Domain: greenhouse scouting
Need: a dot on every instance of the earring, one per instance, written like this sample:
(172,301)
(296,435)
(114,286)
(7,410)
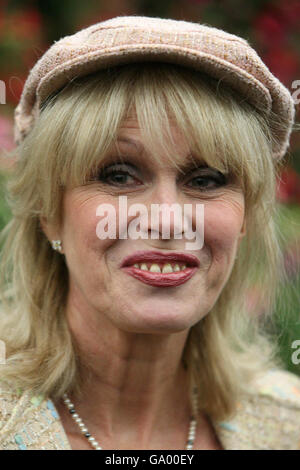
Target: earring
(56,245)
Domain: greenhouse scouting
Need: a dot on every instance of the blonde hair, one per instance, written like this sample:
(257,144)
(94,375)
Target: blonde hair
(76,127)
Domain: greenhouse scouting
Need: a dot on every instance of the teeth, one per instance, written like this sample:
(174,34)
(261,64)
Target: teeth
(155,268)
(167,268)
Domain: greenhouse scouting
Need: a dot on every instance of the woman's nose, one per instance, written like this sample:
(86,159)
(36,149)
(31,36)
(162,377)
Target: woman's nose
(165,210)
(165,191)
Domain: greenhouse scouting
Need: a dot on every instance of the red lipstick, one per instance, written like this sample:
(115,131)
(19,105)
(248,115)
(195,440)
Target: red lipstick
(160,279)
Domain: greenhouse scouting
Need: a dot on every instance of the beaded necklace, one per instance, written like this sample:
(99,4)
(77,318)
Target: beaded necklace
(95,444)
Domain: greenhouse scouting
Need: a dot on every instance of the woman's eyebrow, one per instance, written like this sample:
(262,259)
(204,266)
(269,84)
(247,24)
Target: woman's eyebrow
(188,162)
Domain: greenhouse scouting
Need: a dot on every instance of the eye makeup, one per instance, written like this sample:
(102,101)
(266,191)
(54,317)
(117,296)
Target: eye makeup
(125,173)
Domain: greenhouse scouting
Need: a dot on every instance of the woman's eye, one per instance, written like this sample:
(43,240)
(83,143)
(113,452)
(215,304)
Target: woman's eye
(117,175)
(208,181)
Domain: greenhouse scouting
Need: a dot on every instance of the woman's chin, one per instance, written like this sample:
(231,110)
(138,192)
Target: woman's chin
(158,320)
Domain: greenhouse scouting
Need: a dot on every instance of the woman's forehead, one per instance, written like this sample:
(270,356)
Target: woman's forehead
(130,133)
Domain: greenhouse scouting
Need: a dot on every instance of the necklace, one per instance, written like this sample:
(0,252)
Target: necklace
(95,444)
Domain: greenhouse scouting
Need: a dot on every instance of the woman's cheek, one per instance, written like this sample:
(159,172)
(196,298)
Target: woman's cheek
(222,225)
(81,219)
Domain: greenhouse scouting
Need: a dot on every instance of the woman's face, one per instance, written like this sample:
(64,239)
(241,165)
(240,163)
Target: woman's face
(125,297)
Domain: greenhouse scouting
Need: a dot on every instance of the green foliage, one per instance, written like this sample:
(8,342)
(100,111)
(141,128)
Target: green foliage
(287,311)
(287,322)
(5,213)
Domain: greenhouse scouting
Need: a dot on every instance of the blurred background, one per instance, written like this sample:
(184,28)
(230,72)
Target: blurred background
(28,28)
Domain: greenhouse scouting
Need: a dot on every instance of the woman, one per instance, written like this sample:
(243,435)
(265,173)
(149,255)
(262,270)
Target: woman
(138,342)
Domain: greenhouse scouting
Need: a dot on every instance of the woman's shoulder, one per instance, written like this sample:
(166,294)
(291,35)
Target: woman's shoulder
(28,421)
(281,385)
(268,417)
(9,398)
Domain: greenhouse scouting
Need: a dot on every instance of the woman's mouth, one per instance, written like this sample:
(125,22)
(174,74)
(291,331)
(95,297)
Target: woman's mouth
(161,269)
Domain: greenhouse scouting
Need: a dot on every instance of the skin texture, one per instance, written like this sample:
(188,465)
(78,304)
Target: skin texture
(130,336)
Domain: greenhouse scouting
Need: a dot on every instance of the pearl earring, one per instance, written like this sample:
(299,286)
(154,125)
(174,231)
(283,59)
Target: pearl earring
(56,245)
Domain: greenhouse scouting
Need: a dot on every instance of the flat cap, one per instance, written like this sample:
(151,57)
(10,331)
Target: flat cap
(128,39)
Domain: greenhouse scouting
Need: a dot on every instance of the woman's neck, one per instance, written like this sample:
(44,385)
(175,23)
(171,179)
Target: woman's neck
(132,384)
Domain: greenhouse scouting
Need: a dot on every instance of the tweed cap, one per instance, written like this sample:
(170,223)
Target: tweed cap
(128,39)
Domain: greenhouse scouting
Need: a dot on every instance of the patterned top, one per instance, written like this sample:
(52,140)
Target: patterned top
(266,420)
